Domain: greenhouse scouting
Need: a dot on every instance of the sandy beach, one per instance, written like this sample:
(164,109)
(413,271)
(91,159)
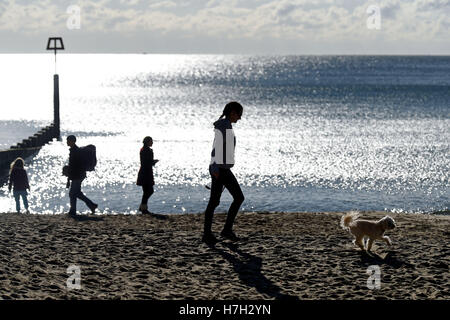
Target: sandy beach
(280,256)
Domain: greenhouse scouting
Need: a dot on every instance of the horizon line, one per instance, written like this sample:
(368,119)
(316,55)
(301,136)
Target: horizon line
(243,54)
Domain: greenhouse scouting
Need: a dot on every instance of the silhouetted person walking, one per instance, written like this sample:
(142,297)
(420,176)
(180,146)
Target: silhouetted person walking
(18,180)
(76,173)
(145,174)
(222,160)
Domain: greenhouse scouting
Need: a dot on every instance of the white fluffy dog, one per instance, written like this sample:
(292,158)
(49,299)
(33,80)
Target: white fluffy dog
(374,230)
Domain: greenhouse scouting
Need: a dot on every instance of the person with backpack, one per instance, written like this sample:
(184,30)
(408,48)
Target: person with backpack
(18,180)
(76,173)
(222,160)
(145,174)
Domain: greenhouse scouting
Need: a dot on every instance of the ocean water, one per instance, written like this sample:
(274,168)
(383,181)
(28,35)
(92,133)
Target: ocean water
(318,133)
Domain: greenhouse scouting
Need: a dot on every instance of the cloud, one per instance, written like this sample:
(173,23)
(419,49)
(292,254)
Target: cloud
(162,5)
(434,5)
(390,10)
(129,2)
(324,21)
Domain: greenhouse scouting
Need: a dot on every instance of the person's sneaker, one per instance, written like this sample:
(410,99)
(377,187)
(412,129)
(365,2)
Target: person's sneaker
(95,206)
(144,209)
(229,235)
(72,213)
(209,238)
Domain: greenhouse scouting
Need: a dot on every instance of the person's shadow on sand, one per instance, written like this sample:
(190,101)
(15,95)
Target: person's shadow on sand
(158,216)
(86,218)
(249,269)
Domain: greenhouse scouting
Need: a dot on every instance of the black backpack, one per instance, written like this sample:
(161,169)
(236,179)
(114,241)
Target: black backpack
(88,157)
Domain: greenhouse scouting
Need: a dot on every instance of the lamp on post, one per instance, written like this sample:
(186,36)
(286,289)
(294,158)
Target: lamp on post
(56,44)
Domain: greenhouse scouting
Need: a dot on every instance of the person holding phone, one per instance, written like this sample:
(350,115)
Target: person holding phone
(145,174)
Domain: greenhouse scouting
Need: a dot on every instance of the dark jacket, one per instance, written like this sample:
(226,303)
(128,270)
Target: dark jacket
(19,179)
(76,170)
(145,175)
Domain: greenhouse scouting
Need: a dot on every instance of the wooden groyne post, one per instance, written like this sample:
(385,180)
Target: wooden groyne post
(56,44)
(56,123)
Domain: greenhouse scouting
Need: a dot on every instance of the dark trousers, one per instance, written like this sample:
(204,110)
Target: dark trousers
(75,192)
(228,180)
(147,192)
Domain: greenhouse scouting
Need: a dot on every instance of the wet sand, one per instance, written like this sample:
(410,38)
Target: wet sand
(280,256)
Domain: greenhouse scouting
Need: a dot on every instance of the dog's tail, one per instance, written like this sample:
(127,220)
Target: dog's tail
(348,218)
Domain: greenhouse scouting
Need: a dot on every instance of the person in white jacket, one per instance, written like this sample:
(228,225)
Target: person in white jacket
(222,160)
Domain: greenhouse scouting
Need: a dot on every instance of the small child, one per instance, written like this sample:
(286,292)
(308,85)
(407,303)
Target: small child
(18,177)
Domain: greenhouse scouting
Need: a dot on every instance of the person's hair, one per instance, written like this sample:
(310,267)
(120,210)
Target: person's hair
(18,163)
(146,140)
(71,138)
(231,106)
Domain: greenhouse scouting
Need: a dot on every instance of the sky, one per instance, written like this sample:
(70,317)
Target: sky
(228,27)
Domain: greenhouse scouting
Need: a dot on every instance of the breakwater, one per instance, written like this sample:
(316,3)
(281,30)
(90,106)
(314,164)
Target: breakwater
(31,146)
(28,147)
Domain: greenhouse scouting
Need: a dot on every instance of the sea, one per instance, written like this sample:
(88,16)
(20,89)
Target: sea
(318,133)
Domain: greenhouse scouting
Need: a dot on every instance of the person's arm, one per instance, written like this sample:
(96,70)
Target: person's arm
(142,157)
(11,179)
(147,158)
(218,157)
(26,181)
(150,156)
(153,161)
(71,164)
(214,169)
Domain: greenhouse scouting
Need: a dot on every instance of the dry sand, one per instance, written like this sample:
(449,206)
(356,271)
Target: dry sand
(281,256)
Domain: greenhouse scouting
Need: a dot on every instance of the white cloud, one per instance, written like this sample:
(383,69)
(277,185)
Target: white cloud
(317,20)
(162,5)
(130,2)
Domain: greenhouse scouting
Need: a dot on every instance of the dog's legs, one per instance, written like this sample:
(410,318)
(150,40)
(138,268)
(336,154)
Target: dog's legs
(359,241)
(369,244)
(387,240)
